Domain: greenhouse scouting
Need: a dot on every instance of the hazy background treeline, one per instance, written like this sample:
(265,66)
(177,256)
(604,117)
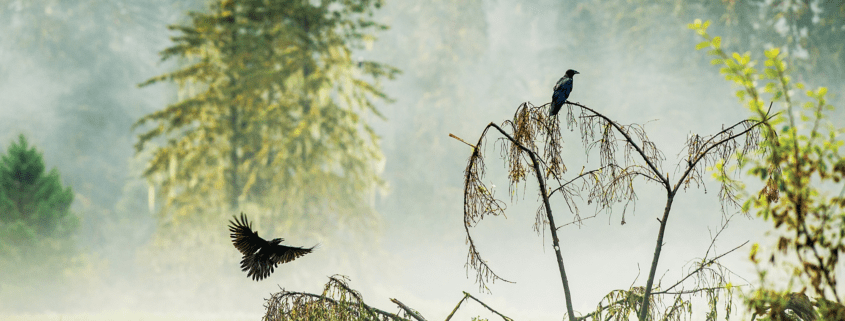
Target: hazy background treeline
(69,72)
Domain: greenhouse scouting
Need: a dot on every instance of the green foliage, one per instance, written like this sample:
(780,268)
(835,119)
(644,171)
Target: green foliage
(272,108)
(36,226)
(772,305)
(49,45)
(800,167)
(34,207)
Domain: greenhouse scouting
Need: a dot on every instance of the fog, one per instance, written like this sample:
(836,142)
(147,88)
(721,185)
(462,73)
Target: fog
(68,81)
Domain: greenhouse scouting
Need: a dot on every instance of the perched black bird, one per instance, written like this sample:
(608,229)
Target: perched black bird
(562,90)
(260,256)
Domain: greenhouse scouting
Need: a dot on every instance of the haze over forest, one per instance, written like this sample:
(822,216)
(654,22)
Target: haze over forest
(387,209)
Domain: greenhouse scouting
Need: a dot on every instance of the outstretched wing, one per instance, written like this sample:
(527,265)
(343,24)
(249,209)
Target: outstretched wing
(260,256)
(283,254)
(260,265)
(245,240)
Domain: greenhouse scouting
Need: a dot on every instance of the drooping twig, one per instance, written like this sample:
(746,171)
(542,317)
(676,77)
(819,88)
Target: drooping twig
(610,183)
(631,142)
(473,210)
(702,154)
(337,300)
(478,202)
(318,298)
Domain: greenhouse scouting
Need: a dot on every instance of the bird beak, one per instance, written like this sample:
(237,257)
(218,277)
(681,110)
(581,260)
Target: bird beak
(577,72)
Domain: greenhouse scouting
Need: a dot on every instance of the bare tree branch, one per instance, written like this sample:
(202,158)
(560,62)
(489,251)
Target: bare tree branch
(648,160)
(699,155)
(413,313)
(701,267)
(337,301)
(612,182)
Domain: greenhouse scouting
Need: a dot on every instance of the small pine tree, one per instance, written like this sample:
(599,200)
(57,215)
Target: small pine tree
(39,257)
(35,217)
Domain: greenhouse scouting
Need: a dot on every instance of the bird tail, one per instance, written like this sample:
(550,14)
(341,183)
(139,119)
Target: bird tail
(255,267)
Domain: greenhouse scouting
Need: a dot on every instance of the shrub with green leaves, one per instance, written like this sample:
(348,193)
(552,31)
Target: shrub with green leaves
(801,170)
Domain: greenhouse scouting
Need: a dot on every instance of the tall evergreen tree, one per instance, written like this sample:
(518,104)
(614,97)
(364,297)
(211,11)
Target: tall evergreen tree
(272,107)
(34,207)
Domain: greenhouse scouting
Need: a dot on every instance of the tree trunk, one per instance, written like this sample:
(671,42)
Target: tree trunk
(552,227)
(643,316)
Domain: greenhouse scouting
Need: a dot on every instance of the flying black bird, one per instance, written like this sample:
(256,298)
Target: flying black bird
(562,90)
(260,256)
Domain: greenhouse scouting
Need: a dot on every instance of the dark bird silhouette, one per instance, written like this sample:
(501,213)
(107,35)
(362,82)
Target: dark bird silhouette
(562,90)
(260,256)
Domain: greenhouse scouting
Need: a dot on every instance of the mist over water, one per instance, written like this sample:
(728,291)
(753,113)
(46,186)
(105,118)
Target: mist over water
(465,64)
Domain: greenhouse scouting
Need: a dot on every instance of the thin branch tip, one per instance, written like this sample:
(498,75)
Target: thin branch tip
(461,140)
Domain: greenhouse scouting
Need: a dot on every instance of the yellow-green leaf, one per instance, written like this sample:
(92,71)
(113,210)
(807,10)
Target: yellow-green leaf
(754,248)
(772,53)
(771,73)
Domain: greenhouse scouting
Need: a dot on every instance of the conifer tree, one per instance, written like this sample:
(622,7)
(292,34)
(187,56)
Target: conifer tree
(34,206)
(272,108)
